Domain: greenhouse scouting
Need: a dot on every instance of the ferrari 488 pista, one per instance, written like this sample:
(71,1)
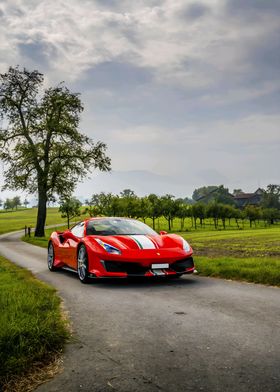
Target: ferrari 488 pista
(118,247)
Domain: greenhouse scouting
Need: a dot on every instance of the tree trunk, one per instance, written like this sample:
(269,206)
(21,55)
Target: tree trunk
(182,223)
(153,222)
(68,221)
(42,213)
(216,223)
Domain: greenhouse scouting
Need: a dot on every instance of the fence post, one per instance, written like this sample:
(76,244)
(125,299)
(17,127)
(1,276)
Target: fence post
(29,231)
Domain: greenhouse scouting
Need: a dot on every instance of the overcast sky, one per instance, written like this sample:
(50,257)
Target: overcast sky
(184,93)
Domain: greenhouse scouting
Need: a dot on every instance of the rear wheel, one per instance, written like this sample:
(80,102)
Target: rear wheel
(51,257)
(82,264)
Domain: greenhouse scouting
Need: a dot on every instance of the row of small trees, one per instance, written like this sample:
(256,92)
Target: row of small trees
(152,206)
(13,203)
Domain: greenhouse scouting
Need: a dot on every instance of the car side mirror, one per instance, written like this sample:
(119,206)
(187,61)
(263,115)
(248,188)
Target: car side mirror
(68,235)
(162,232)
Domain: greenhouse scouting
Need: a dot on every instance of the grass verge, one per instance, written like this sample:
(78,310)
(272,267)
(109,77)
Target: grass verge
(250,269)
(33,331)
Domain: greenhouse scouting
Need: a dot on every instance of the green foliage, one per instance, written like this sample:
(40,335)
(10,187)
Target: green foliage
(203,191)
(252,213)
(10,204)
(153,207)
(70,207)
(271,197)
(32,329)
(271,214)
(211,194)
(198,211)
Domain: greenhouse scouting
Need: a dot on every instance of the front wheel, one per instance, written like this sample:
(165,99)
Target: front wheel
(51,257)
(82,264)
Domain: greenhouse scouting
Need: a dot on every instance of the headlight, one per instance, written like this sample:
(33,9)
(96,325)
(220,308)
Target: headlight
(186,245)
(109,248)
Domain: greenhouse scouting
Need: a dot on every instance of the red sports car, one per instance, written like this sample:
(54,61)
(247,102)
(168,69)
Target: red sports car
(118,247)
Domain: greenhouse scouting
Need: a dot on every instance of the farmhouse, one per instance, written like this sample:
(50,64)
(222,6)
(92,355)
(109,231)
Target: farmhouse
(244,199)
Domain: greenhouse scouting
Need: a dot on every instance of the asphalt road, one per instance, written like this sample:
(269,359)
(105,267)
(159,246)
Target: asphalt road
(193,334)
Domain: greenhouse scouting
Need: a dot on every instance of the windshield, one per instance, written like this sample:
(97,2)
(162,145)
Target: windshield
(117,226)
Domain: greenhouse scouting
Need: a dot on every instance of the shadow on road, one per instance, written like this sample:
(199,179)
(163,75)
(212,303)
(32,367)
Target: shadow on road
(138,282)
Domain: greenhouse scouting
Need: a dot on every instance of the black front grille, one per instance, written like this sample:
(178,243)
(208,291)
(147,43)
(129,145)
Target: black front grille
(129,268)
(182,265)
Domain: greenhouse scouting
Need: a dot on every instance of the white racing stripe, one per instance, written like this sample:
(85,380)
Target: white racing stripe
(143,242)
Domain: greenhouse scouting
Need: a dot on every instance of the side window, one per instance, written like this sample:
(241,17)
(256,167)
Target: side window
(78,230)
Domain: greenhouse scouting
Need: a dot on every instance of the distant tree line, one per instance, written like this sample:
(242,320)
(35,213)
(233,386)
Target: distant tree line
(13,203)
(128,204)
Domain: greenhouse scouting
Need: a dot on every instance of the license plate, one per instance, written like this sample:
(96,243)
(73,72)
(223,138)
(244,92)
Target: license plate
(160,266)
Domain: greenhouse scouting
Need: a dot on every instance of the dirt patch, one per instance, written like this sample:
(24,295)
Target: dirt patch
(37,375)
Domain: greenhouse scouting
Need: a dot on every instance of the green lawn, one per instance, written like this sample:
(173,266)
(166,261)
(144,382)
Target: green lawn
(16,220)
(257,243)
(251,269)
(32,329)
(250,255)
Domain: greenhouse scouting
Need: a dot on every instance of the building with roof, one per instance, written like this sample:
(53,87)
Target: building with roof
(244,199)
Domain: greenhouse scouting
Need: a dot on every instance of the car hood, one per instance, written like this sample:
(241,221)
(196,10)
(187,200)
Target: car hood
(143,242)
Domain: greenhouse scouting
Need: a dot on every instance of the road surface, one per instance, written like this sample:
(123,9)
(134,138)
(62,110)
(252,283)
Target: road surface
(192,334)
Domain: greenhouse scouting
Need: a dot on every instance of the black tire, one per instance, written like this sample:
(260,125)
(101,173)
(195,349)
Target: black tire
(82,264)
(51,257)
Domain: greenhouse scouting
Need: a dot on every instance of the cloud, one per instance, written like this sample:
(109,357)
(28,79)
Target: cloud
(196,10)
(184,88)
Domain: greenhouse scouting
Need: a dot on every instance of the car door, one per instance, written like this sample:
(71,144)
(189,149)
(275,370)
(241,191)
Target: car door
(72,243)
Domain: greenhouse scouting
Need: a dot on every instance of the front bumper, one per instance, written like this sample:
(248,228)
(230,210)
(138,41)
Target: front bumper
(124,269)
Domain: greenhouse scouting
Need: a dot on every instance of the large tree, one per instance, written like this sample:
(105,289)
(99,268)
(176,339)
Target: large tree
(40,143)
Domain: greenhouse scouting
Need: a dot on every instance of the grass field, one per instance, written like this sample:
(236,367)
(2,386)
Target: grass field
(16,220)
(250,255)
(32,330)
